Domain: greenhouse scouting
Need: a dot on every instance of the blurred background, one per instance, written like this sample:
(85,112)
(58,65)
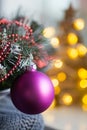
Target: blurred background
(65,27)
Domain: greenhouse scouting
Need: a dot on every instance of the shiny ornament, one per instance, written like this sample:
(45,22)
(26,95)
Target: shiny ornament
(33,92)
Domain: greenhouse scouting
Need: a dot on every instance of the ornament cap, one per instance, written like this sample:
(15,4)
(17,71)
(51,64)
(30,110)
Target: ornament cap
(32,66)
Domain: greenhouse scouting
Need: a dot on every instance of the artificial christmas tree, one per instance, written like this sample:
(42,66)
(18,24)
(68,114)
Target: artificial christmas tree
(69,70)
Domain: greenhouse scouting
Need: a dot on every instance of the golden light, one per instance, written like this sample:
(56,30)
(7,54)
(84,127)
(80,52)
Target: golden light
(55,42)
(79,24)
(53,104)
(84,107)
(61,76)
(57,90)
(67,99)
(82,73)
(84,99)
(58,63)
(55,82)
(83,83)
(81,50)
(72,38)
(48,32)
(72,53)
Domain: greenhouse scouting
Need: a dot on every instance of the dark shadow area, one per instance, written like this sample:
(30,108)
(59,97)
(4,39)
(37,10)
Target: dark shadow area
(49,128)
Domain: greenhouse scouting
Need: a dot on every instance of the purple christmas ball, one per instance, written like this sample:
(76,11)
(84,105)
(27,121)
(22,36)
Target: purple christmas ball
(33,92)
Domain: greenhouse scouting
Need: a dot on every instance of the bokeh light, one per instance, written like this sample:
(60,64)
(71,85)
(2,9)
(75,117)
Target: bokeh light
(84,107)
(82,73)
(72,53)
(79,24)
(67,99)
(84,99)
(61,76)
(82,50)
(49,32)
(53,104)
(72,39)
(55,82)
(55,42)
(83,83)
(58,63)
(57,90)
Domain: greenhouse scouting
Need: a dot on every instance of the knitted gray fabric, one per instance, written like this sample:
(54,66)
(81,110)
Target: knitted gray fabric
(12,119)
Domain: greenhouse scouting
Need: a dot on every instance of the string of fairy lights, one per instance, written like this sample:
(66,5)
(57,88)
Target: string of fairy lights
(57,73)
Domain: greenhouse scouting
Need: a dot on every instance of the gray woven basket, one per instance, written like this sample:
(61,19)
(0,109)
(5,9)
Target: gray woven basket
(13,119)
